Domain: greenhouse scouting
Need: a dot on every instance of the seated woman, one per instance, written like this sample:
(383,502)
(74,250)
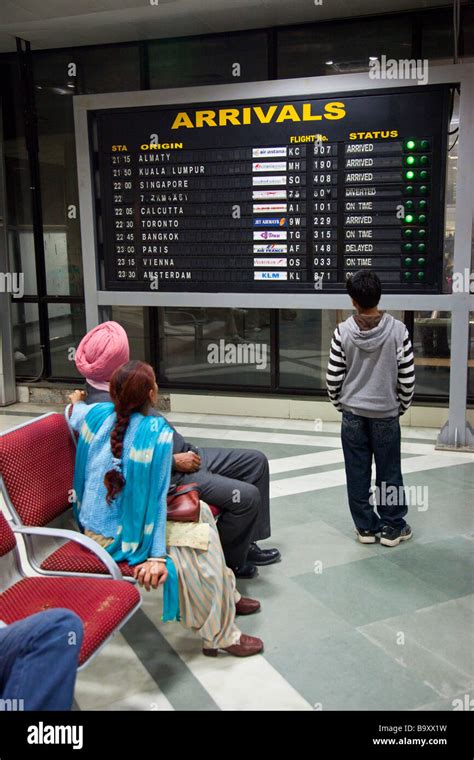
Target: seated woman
(121,481)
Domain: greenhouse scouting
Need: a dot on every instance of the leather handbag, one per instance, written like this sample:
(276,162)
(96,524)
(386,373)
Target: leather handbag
(183,503)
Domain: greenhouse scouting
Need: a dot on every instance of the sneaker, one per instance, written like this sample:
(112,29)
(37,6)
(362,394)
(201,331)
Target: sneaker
(366,536)
(393,536)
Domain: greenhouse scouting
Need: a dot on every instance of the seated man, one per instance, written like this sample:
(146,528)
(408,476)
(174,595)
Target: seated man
(234,480)
(38,660)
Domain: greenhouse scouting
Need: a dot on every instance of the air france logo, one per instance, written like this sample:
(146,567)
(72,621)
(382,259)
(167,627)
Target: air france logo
(269,235)
(272,221)
(271,248)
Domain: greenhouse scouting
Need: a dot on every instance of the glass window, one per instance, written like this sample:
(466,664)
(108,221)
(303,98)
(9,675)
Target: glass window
(341,47)
(26,340)
(109,68)
(305,335)
(437,36)
(467,26)
(17,177)
(214,346)
(305,338)
(61,225)
(58,76)
(220,59)
(136,323)
(431,344)
(67,326)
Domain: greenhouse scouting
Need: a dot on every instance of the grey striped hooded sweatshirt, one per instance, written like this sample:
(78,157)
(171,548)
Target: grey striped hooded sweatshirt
(371,371)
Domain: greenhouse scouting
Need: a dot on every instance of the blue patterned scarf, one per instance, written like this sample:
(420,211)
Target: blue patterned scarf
(147,484)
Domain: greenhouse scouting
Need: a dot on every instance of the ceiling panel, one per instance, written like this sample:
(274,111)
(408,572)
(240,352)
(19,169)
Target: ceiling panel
(63,23)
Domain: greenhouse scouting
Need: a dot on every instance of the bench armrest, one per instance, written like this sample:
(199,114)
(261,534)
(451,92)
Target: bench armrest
(79,538)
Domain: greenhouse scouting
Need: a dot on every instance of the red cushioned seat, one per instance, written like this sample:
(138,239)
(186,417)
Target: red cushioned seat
(74,558)
(102,604)
(37,466)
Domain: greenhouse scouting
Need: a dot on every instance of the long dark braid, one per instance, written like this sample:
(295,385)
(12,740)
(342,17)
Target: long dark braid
(130,388)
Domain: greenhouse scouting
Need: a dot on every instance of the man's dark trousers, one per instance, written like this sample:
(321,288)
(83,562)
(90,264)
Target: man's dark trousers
(236,481)
(364,439)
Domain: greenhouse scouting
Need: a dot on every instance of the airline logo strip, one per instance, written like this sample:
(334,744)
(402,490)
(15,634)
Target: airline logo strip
(265,214)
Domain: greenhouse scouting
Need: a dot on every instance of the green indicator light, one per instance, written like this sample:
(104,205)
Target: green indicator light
(409,205)
(422,218)
(407,275)
(410,174)
(421,247)
(410,145)
(422,233)
(410,160)
(407,247)
(423,189)
(421,262)
(408,233)
(424,174)
(421,275)
(409,190)
(409,219)
(424,160)
(408,262)
(425,144)
(422,204)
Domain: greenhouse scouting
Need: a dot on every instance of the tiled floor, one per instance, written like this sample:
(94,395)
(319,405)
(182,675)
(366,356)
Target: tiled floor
(345,626)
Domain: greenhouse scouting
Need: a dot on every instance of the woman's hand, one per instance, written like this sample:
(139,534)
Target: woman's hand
(77,396)
(151,574)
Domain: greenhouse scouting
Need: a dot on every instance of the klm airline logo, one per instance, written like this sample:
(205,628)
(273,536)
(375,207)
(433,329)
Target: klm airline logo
(272,221)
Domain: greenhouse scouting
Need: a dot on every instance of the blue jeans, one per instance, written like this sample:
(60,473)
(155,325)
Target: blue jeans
(364,439)
(38,661)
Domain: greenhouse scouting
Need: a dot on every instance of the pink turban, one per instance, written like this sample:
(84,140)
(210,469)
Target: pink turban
(101,352)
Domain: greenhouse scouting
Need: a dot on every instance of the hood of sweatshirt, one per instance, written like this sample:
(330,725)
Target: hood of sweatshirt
(369,333)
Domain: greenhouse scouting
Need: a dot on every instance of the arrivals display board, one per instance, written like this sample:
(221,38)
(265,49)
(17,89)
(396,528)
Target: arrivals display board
(285,196)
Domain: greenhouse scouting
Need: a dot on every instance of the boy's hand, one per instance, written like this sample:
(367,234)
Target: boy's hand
(77,396)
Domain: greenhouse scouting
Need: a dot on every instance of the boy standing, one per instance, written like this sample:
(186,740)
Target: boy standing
(370,379)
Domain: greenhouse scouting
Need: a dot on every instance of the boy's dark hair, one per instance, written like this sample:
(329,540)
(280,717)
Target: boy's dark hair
(365,288)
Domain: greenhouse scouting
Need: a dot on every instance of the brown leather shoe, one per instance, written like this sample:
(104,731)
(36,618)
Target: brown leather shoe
(246,606)
(247,646)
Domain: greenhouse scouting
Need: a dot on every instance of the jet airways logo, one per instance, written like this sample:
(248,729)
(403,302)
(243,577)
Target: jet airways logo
(272,221)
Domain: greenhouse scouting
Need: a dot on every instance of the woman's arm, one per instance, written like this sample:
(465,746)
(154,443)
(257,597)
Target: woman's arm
(79,409)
